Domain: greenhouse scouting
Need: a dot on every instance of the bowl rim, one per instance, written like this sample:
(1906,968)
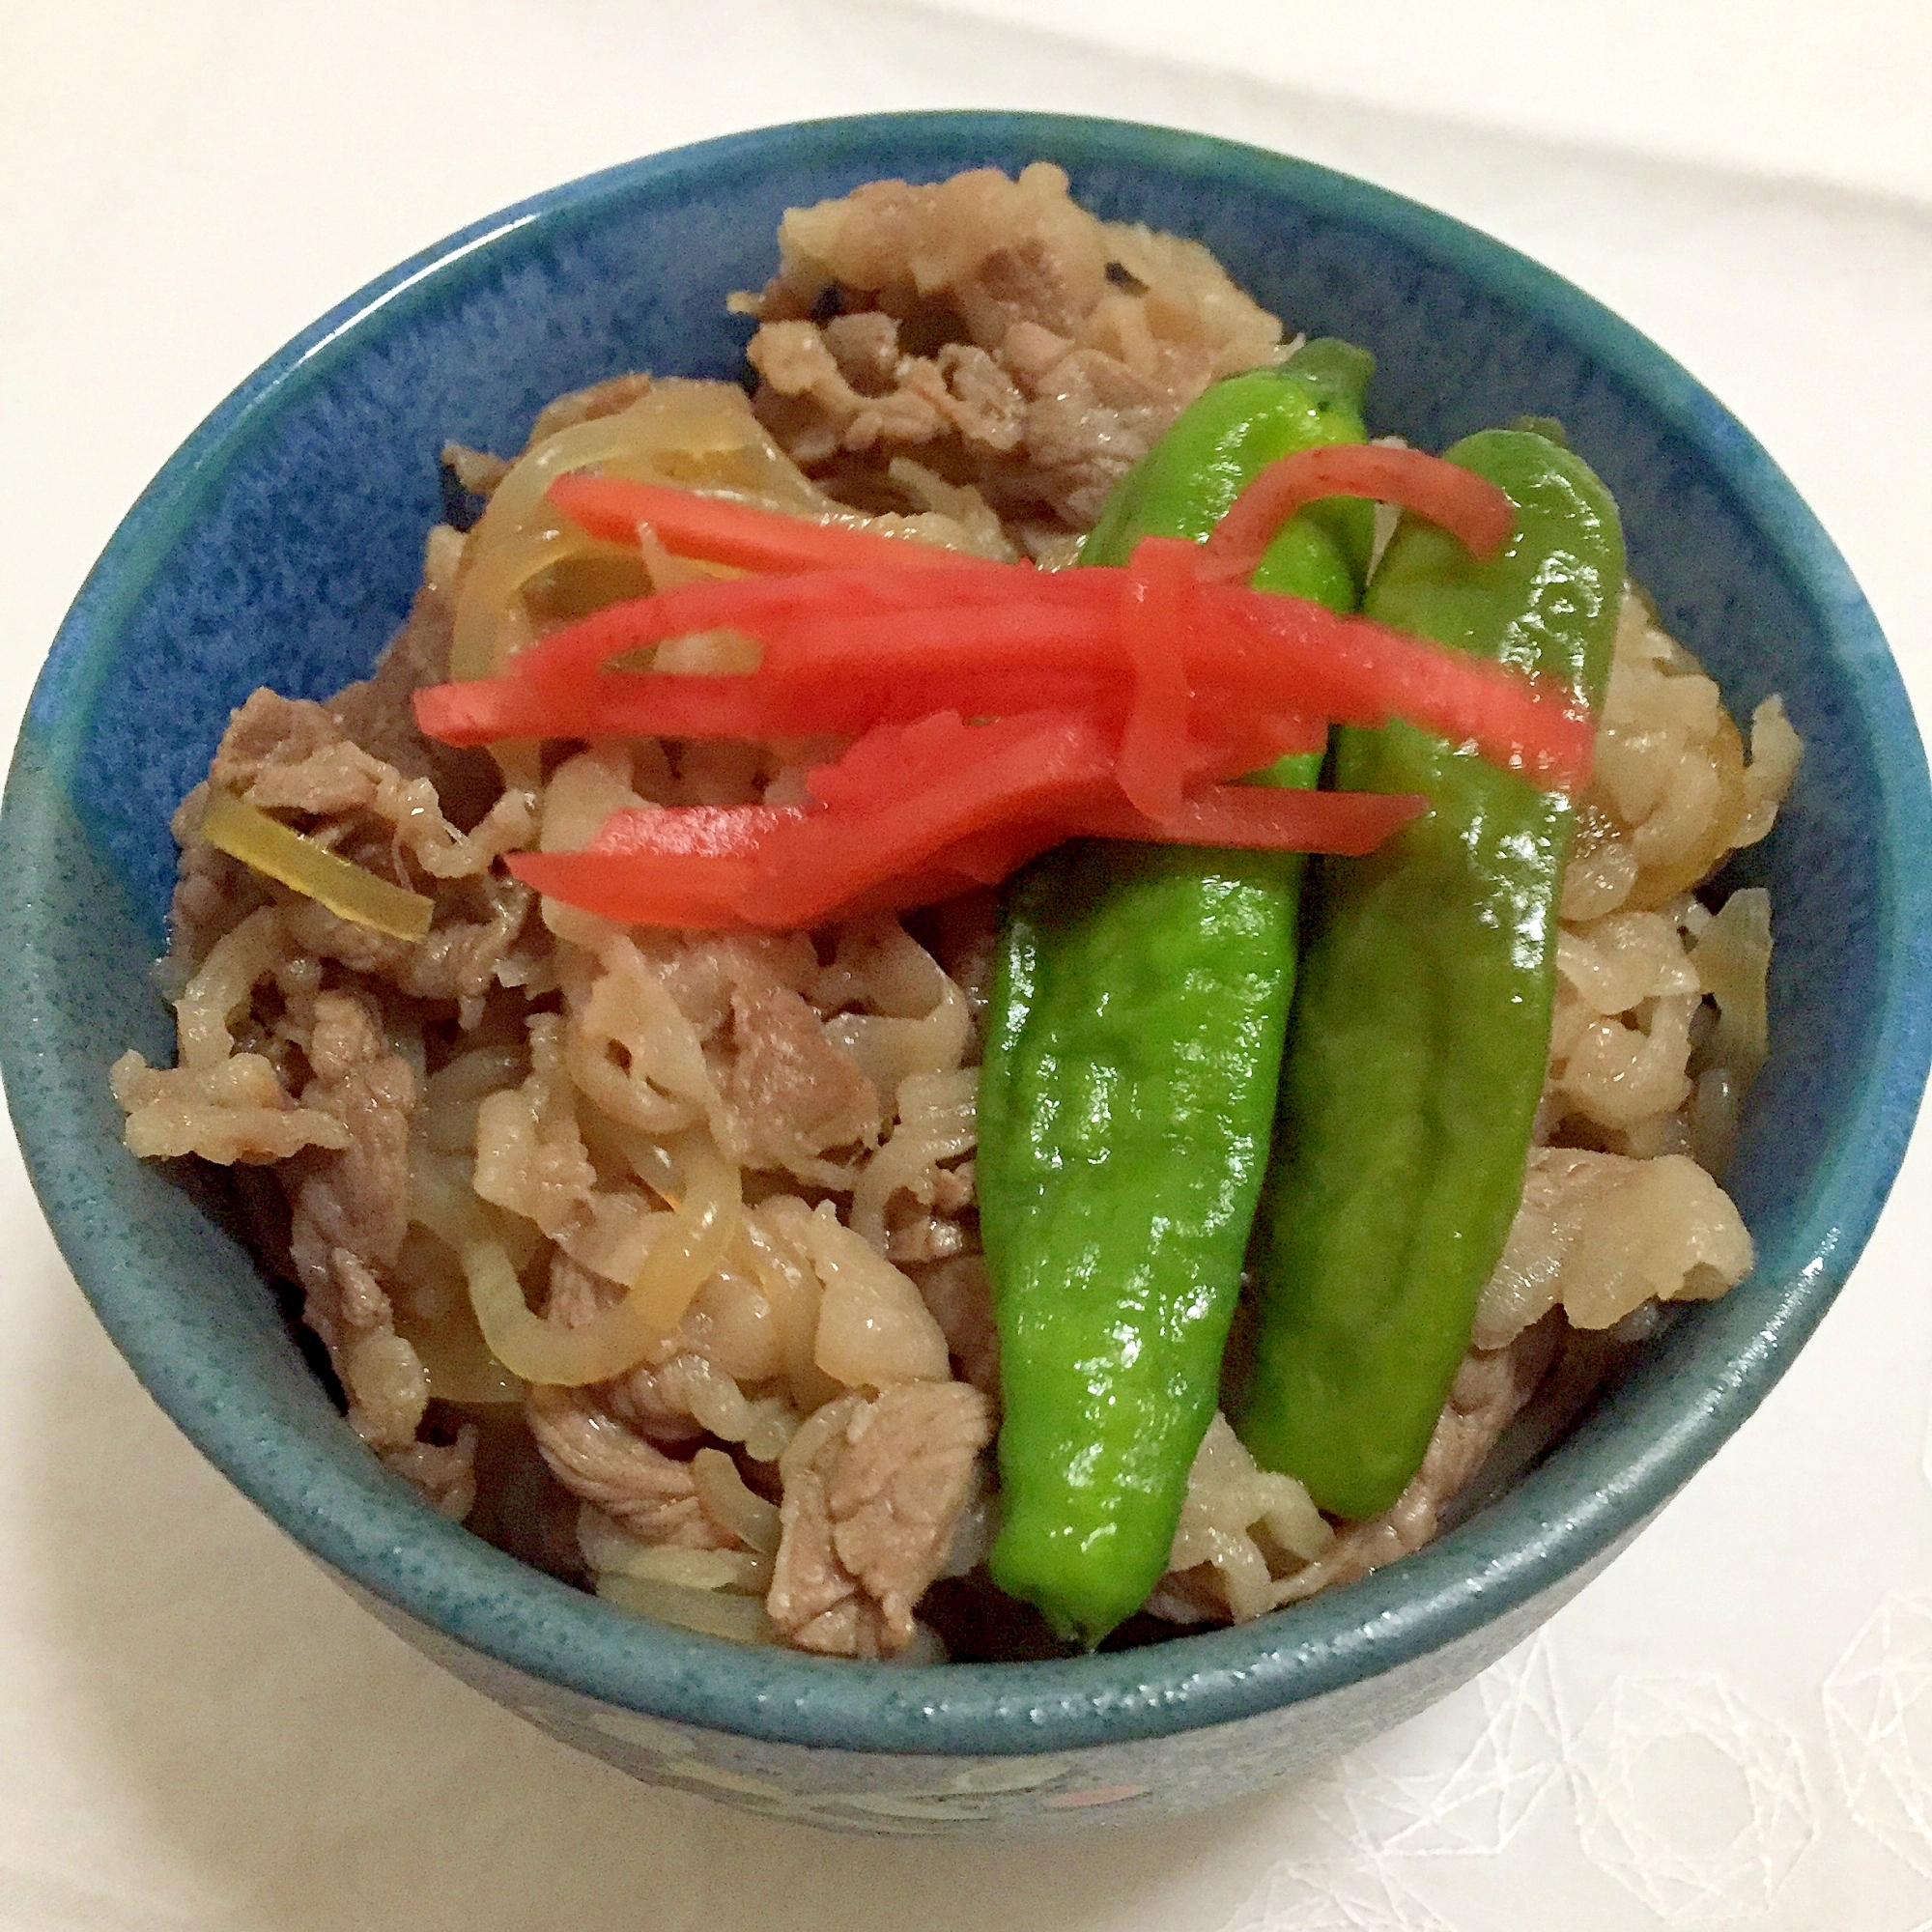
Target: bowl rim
(1552,1524)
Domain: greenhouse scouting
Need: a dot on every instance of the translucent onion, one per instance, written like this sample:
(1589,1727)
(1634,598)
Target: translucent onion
(702,435)
(938,1121)
(618,1338)
(731,1505)
(508,547)
(692,1249)
(351,892)
(873,1327)
(922,1024)
(650,1160)
(613,1550)
(1733,960)
(1776,750)
(529,558)
(452,1094)
(223,988)
(715,1613)
(584,574)
(1659,881)
(470,1376)
(794,1291)
(444,1200)
(456,1360)
(743,1571)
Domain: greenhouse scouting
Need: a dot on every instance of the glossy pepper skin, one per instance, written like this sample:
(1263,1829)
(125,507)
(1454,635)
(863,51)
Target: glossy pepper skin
(1132,1052)
(1419,1038)
(1231,432)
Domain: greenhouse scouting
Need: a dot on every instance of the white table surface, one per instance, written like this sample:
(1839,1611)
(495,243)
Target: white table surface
(1732,1726)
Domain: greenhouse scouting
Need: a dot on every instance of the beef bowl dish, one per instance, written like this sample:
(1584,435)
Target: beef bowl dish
(1006,962)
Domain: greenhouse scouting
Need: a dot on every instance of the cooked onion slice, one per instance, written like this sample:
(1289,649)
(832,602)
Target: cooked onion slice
(1733,960)
(615,1339)
(266,845)
(715,1613)
(693,434)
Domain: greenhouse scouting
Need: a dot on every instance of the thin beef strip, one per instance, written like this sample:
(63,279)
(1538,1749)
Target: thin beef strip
(873,1495)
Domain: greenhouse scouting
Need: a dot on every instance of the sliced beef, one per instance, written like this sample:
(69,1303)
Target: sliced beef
(376,712)
(459,958)
(631,1480)
(937,1231)
(873,1492)
(445,1473)
(959,1293)
(348,1215)
(1003,335)
(357,1199)
(238,1111)
(288,756)
(791,1090)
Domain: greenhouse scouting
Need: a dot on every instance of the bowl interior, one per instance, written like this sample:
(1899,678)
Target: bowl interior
(282,544)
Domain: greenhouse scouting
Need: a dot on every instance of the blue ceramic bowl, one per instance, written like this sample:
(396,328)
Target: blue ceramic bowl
(281,545)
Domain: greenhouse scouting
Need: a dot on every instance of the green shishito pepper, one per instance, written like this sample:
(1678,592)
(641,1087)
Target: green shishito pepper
(1419,1036)
(1222,441)
(1132,1053)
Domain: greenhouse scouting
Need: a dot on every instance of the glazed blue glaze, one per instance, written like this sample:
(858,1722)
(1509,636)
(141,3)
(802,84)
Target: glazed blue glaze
(281,546)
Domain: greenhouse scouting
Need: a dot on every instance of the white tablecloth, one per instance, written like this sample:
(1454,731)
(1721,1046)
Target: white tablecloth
(1732,1726)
